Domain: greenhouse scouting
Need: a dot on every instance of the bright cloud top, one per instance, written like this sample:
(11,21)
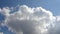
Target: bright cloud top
(28,20)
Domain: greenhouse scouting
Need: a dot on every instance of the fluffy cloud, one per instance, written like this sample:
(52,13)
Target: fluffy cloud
(28,20)
(56,28)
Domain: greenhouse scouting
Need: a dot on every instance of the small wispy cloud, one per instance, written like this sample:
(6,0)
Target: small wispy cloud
(1,32)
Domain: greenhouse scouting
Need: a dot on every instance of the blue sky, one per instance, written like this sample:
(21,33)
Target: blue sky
(52,5)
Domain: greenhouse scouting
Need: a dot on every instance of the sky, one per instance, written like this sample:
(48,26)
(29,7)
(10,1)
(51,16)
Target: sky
(52,5)
(26,13)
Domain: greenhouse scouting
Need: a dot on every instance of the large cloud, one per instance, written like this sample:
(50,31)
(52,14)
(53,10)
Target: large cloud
(28,20)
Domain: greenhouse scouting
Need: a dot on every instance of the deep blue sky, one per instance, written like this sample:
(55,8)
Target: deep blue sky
(52,5)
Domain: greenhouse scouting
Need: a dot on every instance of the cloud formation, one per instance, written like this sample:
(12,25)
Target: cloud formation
(27,20)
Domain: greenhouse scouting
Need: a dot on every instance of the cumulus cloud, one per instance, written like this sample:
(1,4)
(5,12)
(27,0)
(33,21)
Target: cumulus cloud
(27,20)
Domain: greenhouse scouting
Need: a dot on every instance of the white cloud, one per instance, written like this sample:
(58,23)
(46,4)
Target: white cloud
(1,32)
(28,20)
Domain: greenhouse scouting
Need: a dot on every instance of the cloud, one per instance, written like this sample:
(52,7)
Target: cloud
(55,29)
(27,20)
(1,32)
